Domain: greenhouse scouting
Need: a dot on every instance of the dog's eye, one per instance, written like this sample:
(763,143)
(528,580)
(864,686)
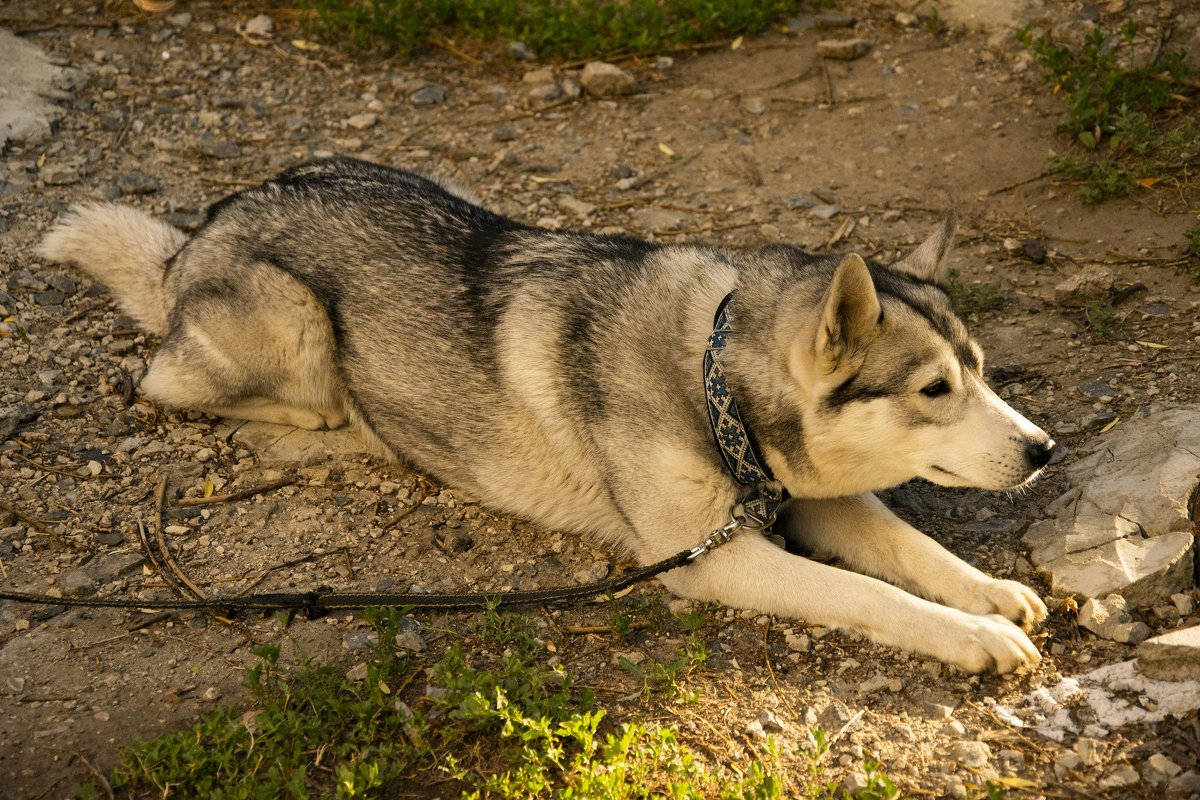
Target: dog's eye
(936,389)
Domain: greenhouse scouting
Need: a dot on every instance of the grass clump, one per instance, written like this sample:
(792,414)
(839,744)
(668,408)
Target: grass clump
(569,29)
(1131,124)
(969,299)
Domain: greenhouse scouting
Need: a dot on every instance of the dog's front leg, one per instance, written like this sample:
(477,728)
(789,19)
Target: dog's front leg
(869,538)
(751,572)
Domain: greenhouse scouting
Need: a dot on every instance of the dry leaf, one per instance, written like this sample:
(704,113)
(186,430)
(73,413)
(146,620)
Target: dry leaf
(383,687)
(736,43)
(1148,182)
(208,488)
(154,6)
(1154,345)
(665,150)
(1110,425)
(304,44)
(41,162)
(1016,783)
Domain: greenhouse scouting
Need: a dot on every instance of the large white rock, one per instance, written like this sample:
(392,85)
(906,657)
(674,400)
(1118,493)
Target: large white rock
(27,77)
(283,445)
(1125,526)
(1173,656)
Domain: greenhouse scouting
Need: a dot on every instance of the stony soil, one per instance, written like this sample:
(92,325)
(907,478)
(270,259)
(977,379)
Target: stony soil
(171,114)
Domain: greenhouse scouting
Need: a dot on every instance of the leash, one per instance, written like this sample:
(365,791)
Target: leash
(317,603)
(739,450)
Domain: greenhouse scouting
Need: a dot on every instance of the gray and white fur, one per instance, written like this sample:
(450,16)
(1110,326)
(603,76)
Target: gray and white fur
(557,376)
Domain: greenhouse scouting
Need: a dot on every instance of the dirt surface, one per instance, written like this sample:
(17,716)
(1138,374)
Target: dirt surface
(729,146)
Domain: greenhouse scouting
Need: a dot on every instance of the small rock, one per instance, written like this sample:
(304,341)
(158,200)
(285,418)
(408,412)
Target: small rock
(1091,284)
(754,105)
(1172,656)
(180,20)
(107,567)
(800,201)
(1066,761)
(1131,632)
(1183,603)
(221,149)
(602,79)
(892,215)
(770,723)
(24,279)
(261,26)
(576,206)
(429,95)
(77,582)
(1035,250)
(409,641)
(1121,776)
(359,640)
(520,51)
(135,183)
(110,538)
(949,101)
(824,211)
(360,122)
(16,683)
(51,297)
(754,730)
(538,76)
(664,63)
(1161,768)
(546,93)
(59,174)
(452,541)
(358,672)
(1090,751)
(843,49)
(1102,617)
(906,20)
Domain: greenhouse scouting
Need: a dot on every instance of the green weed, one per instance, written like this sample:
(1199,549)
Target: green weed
(570,29)
(1099,318)
(1132,122)
(975,297)
(501,726)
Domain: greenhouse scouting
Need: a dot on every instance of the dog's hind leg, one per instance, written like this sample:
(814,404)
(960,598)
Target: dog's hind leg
(251,343)
(869,538)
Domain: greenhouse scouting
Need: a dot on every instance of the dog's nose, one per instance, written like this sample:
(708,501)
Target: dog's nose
(1039,453)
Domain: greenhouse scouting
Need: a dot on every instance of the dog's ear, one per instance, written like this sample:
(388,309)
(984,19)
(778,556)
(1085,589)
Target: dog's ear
(928,262)
(851,313)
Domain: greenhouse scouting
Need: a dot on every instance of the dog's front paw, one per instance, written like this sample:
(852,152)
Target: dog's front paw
(1012,600)
(993,644)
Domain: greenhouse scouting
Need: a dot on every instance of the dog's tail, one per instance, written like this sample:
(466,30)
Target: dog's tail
(123,248)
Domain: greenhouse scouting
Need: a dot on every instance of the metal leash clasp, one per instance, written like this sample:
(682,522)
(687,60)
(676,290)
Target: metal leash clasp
(718,537)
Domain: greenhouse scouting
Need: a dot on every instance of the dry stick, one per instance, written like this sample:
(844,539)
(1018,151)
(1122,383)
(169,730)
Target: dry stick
(37,525)
(241,494)
(284,564)
(1044,174)
(828,85)
(413,506)
(771,671)
(449,48)
(164,552)
(584,629)
(104,784)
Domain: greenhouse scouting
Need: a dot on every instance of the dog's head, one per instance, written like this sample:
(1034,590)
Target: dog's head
(891,386)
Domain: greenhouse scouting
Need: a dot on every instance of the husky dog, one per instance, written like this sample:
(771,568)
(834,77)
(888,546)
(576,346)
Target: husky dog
(557,376)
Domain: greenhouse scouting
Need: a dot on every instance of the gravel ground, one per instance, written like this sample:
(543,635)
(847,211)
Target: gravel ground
(732,146)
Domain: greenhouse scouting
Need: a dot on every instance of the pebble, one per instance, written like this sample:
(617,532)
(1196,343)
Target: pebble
(429,95)
(906,20)
(843,49)
(576,206)
(409,641)
(602,79)
(1034,250)
(521,51)
(1183,603)
(59,174)
(77,582)
(972,754)
(754,105)
(769,722)
(221,149)
(358,672)
(800,201)
(824,211)
(1160,768)
(261,26)
(360,122)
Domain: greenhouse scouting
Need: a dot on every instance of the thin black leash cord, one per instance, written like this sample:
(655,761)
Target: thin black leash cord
(319,602)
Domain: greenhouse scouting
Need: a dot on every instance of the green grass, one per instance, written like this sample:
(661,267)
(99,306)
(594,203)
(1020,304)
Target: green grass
(568,29)
(495,720)
(975,297)
(1099,318)
(1129,124)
